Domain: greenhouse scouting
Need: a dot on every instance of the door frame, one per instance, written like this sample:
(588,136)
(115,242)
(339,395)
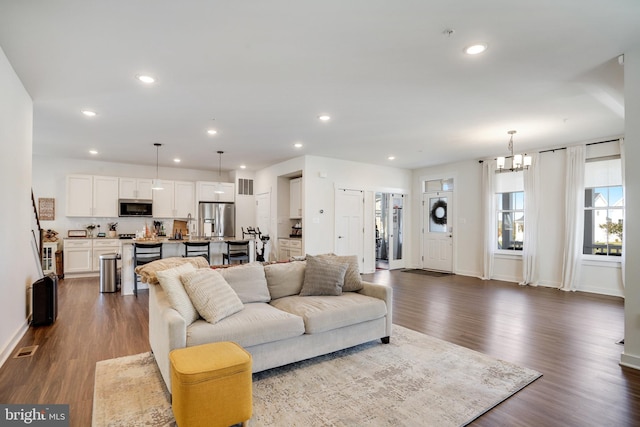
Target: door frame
(453,215)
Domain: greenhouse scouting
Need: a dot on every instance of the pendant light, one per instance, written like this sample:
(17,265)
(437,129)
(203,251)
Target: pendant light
(519,161)
(156,184)
(219,189)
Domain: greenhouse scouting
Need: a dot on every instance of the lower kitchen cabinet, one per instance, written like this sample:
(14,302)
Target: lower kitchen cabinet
(101,247)
(289,248)
(83,255)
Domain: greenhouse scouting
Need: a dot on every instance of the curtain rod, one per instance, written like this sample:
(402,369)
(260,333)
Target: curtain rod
(564,148)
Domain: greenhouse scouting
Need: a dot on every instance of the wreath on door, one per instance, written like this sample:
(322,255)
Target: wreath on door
(439,212)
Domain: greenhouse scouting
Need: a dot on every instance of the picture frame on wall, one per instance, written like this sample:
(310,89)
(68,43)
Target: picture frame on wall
(47,208)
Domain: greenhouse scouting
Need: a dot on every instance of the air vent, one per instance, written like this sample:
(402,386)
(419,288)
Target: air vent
(245,187)
(26,352)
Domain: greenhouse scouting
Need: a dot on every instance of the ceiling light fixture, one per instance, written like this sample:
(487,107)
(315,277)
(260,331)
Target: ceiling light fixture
(519,162)
(177,160)
(391,157)
(243,166)
(298,145)
(89,113)
(156,184)
(145,78)
(324,117)
(212,131)
(475,49)
(94,152)
(218,188)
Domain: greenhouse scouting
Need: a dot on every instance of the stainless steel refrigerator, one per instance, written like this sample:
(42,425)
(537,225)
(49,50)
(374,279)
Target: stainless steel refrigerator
(216,219)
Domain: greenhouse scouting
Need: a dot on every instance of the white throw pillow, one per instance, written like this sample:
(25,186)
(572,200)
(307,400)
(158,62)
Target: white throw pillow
(285,279)
(211,294)
(248,281)
(176,294)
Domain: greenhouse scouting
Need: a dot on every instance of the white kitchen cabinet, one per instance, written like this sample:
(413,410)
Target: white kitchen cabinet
(79,195)
(177,200)
(295,198)
(92,196)
(289,248)
(77,256)
(101,247)
(215,191)
(132,188)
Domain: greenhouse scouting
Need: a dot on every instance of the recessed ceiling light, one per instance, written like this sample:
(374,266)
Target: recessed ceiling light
(89,113)
(391,157)
(177,160)
(298,145)
(94,152)
(475,49)
(243,166)
(145,78)
(324,117)
(212,131)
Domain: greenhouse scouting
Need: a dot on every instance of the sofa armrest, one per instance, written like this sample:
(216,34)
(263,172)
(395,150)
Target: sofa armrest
(167,330)
(384,293)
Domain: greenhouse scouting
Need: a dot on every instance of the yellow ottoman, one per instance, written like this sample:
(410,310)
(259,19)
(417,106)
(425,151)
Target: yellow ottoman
(211,385)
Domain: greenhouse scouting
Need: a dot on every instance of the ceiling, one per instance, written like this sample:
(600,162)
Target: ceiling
(393,80)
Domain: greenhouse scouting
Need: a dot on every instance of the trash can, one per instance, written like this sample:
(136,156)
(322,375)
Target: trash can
(109,272)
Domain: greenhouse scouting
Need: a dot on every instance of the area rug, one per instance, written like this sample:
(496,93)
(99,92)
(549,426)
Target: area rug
(426,272)
(414,380)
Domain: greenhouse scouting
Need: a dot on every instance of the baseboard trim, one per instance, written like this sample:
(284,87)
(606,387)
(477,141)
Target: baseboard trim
(630,361)
(8,349)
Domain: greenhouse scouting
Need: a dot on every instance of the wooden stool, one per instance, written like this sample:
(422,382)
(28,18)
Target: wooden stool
(211,385)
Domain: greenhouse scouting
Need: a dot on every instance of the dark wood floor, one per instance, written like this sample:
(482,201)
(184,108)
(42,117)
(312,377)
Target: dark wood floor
(569,337)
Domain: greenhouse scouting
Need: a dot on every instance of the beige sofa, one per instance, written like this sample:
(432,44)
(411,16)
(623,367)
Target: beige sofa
(284,317)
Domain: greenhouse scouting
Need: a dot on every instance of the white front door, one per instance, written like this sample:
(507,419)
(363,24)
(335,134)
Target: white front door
(349,224)
(437,251)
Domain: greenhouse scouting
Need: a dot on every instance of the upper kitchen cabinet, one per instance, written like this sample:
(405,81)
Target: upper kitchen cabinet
(177,200)
(92,196)
(132,188)
(295,198)
(215,191)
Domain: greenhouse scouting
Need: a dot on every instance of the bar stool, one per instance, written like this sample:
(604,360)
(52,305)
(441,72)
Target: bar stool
(192,249)
(144,253)
(237,250)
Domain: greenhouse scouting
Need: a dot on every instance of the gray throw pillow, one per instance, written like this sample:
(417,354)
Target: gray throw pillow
(211,294)
(285,279)
(352,279)
(323,276)
(248,281)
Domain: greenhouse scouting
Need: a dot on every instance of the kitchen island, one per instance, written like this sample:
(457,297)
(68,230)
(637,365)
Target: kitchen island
(171,248)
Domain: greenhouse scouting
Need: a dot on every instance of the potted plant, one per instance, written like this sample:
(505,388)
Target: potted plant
(90,229)
(113,226)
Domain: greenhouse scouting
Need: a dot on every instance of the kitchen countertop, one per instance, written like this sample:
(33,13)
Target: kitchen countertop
(171,240)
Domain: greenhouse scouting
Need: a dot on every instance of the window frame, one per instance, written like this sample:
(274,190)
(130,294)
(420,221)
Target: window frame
(502,251)
(602,257)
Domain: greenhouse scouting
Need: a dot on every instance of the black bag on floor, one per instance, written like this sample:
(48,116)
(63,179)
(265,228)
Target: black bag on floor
(45,300)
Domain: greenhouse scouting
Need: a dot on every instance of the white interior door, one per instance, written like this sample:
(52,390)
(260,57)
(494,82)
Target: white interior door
(437,251)
(349,239)
(396,225)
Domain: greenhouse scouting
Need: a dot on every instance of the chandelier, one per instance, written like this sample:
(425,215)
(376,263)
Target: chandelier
(519,161)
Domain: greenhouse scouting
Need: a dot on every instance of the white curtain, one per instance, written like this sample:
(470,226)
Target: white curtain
(624,227)
(574,217)
(489,214)
(531,214)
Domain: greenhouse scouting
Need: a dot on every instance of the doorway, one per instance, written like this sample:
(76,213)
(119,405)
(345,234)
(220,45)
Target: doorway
(437,251)
(349,239)
(389,223)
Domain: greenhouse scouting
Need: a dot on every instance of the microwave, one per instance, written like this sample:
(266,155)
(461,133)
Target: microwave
(135,208)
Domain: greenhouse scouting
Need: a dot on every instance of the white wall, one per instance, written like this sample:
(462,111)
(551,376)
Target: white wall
(596,276)
(631,355)
(18,259)
(321,177)
(49,180)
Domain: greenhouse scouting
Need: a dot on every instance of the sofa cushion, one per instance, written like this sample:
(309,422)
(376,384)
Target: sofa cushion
(323,276)
(284,279)
(352,279)
(176,293)
(211,295)
(258,323)
(248,281)
(324,313)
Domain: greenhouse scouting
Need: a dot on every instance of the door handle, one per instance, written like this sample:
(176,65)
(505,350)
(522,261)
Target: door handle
(339,237)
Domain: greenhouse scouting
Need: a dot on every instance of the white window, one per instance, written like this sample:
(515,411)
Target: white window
(510,211)
(603,207)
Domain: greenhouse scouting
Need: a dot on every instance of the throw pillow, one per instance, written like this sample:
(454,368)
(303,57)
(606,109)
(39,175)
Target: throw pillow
(176,294)
(211,294)
(352,279)
(248,281)
(323,276)
(284,279)
(148,272)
